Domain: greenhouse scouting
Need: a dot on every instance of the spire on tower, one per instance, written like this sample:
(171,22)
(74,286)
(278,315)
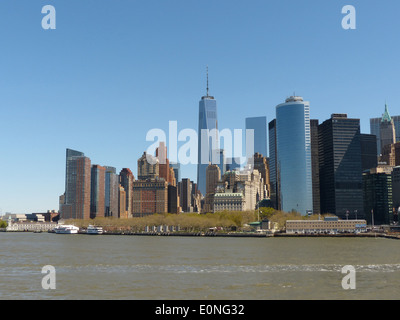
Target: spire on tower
(207,82)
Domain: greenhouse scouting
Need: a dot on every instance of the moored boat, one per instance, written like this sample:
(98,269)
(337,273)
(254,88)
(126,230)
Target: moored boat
(66,229)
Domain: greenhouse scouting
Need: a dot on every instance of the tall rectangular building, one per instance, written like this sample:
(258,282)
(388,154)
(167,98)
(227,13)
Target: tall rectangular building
(97,191)
(273,173)
(111,192)
(259,125)
(126,179)
(185,195)
(340,167)
(77,186)
(207,138)
(369,158)
(378,196)
(293,146)
(315,165)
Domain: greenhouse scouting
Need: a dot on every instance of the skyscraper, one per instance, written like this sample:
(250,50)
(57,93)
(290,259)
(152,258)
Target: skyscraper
(207,138)
(375,127)
(212,178)
(273,165)
(259,125)
(293,144)
(340,166)
(387,130)
(177,170)
(378,196)
(111,192)
(185,195)
(77,186)
(315,165)
(369,158)
(97,192)
(126,180)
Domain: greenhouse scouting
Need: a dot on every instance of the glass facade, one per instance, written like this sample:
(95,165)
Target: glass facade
(273,177)
(341,166)
(293,144)
(259,125)
(208,143)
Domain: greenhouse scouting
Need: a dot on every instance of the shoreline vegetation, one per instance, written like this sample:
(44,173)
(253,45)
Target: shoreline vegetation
(194,222)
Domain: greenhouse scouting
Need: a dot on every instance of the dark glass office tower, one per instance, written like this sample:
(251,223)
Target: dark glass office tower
(97,192)
(341,167)
(273,174)
(259,125)
(207,137)
(378,203)
(369,151)
(111,192)
(315,165)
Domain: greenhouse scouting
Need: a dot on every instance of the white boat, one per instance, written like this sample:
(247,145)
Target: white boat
(66,229)
(94,230)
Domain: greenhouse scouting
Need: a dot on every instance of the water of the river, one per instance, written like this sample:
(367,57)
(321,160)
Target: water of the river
(151,267)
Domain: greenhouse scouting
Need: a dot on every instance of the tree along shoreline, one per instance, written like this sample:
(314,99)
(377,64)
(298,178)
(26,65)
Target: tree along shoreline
(224,221)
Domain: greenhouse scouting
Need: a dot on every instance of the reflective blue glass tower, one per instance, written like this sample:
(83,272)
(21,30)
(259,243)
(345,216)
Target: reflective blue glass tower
(293,147)
(207,143)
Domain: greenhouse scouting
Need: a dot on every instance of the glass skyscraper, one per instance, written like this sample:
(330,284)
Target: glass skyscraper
(340,167)
(259,125)
(208,146)
(293,145)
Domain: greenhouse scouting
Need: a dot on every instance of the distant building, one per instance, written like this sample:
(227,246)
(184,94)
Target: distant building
(273,165)
(150,197)
(177,171)
(229,201)
(375,126)
(293,146)
(111,192)
(77,186)
(391,154)
(97,190)
(331,225)
(261,165)
(213,176)
(396,193)
(239,190)
(369,159)
(340,167)
(378,196)
(207,137)
(315,165)
(387,130)
(122,212)
(185,195)
(173,199)
(126,179)
(148,167)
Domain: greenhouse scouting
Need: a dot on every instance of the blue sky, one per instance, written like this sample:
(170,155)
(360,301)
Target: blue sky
(114,69)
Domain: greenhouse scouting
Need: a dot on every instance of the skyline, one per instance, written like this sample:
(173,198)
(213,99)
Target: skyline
(102,80)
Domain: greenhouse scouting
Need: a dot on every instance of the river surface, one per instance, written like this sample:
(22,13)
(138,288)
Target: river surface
(196,268)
